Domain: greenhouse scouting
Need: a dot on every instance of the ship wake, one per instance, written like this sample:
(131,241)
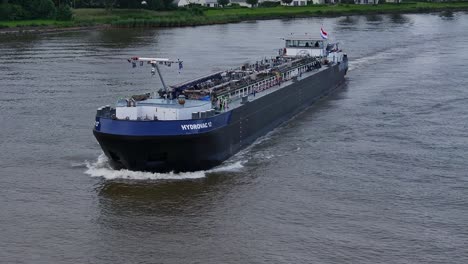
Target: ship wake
(101,168)
(393,53)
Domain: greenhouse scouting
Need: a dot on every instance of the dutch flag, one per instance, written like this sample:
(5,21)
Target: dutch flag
(323,33)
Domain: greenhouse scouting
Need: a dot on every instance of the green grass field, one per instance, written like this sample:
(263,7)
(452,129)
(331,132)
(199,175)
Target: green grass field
(148,18)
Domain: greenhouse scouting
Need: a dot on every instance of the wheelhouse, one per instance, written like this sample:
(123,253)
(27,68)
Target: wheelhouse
(304,46)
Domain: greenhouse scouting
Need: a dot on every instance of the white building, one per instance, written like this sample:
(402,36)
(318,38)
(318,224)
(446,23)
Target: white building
(214,3)
(366,2)
(315,2)
(296,3)
(208,3)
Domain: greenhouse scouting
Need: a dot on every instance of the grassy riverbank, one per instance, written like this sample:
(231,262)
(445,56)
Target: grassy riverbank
(187,17)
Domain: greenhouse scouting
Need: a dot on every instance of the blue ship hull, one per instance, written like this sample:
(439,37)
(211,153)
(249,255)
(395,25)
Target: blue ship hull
(199,144)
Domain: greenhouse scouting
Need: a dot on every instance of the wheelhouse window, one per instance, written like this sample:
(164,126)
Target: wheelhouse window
(304,43)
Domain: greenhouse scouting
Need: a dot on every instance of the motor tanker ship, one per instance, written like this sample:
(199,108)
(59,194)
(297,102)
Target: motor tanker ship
(198,124)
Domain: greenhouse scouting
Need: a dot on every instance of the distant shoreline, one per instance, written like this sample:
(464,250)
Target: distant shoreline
(86,19)
(46,29)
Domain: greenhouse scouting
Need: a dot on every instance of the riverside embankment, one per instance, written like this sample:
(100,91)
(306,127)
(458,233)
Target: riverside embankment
(85,18)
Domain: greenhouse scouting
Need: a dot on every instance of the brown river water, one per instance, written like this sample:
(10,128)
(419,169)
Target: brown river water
(376,173)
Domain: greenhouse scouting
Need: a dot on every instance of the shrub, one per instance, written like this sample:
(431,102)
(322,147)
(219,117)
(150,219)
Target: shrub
(252,2)
(156,5)
(196,11)
(192,5)
(64,13)
(269,4)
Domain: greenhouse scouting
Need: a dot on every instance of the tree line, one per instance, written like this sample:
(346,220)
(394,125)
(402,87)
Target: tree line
(60,9)
(157,5)
(34,9)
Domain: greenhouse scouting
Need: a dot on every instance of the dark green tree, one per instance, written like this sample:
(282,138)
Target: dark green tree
(156,5)
(169,4)
(252,2)
(109,4)
(11,12)
(223,3)
(64,13)
(42,9)
(287,1)
(28,9)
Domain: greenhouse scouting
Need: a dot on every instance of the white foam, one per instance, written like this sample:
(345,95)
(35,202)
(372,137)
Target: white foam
(392,53)
(78,164)
(242,154)
(101,168)
(369,60)
(235,166)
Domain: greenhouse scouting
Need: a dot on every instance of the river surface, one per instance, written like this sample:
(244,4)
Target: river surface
(377,173)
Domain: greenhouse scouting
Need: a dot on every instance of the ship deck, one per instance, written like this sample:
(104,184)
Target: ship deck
(251,97)
(159,102)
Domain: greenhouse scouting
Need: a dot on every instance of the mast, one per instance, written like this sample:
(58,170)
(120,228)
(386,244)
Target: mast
(154,63)
(160,76)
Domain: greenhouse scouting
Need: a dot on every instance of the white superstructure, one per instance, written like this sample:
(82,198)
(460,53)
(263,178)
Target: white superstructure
(160,109)
(306,45)
(145,107)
